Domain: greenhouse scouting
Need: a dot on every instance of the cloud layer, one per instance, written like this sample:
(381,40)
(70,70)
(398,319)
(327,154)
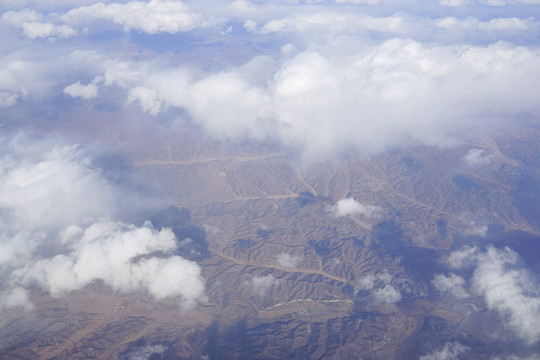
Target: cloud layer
(362,75)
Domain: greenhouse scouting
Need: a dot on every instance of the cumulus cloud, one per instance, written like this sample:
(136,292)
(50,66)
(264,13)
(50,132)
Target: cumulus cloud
(505,287)
(462,258)
(452,284)
(386,95)
(86,92)
(54,233)
(477,229)
(150,17)
(147,98)
(117,254)
(450,351)
(453,3)
(346,207)
(509,290)
(387,295)
(497,24)
(477,157)
(358,2)
(33,183)
(262,284)
(146,353)
(34,28)
(288,260)
(379,286)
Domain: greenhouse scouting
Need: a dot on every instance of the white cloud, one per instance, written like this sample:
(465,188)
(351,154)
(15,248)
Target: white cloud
(86,92)
(32,183)
(147,98)
(452,284)
(33,28)
(333,22)
(52,201)
(36,30)
(497,24)
(17,297)
(379,286)
(506,288)
(8,98)
(450,351)
(509,290)
(387,295)
(288,260)
(396,93)
(349,206)
(509,2)
(477,229)
(358,2)
(465,257)
(146,353)
(477,157)
(453,3)
(18,18)
(120,255)
(150,17)
(262,284)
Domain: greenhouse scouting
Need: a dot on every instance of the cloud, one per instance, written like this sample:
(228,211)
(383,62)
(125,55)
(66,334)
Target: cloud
(33,28)
(509,2)
(262,284)
(477,157)
(334,22)
(462,258)
(387,295)
(346,207)
(54,231)
(288,260)
(34,181)
(36,30)
(379,286)
(452,284)
(18,18)
(121,256)
(358,2)
(150,17)
(509,290)
(8,98)
(497,24)
(450,351)
(146,353)
(505,287)
(453,3)
(396,93)
(85,92)
(477,229)
(60,178)
(17,297)
(147,98)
